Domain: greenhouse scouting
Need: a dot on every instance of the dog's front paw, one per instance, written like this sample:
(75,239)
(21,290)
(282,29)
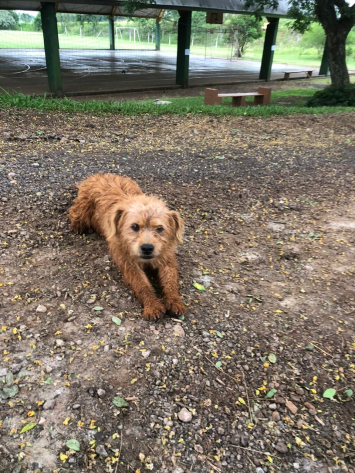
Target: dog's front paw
(175,306)
(154,311)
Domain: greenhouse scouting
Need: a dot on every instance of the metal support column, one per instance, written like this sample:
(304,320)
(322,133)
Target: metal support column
(183,49)
(324,67)
(51,47)
(269,48)
(157,35)
(111,32)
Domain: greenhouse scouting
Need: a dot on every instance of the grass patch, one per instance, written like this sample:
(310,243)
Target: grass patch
(179,106)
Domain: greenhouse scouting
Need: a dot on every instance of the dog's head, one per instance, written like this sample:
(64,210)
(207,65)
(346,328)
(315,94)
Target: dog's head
(146,227)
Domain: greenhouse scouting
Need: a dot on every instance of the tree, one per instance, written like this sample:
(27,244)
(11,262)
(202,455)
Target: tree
(25,18)
(93,19)
(8,21)
(37,22)
(337,17)
(244,29)
(314,38)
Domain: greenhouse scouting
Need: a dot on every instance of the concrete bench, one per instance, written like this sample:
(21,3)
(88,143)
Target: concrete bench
(287,74)
(261,97)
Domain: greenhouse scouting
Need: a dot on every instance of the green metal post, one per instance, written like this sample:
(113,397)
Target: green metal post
(51,47)
(269,48)
(183,49)
(324,67)
(157,35)
(111,32)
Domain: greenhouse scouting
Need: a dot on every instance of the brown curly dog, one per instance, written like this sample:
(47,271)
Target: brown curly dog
(141,232)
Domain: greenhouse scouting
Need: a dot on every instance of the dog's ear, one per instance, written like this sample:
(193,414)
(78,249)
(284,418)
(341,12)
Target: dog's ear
(115,215)
(178,226)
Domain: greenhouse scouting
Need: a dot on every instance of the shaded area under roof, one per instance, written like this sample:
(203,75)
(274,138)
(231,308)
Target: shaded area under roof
(114,7)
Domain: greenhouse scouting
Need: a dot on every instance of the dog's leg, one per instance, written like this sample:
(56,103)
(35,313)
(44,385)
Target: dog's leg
(169,279)
(135,277)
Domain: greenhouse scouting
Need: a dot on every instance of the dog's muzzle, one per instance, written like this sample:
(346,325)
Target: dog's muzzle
(147,251)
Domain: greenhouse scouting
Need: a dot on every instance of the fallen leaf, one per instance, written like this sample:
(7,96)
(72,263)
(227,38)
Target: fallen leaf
(116,320)
(272,358)
(98,308)
(120,402)
(73,444)
(329,393)
(198,286)
(27,427)
(271,393)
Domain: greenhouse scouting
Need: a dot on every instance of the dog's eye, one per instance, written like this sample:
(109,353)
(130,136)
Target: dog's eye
(160,229)
(135,227)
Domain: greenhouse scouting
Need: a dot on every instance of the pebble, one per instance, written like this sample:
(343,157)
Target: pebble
(235,440)
(275,416)
(179,331)
(59,342)
(100,450)
(273,407)
(178,470)
(42,421)
(49,404)
(49,369)
(146,353)
(198,449)
(41,309)
(259,470)
(185,415)
(76,406)
(3,372)
(244,441)
(101,392)
(281,447)
(300,391)
(290,406)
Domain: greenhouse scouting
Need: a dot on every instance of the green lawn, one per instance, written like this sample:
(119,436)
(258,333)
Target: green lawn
(284,102)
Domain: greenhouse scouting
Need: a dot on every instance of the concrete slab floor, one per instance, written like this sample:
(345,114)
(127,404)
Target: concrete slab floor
(97,71)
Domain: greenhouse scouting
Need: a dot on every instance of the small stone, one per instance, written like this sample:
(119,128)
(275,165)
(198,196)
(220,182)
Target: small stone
(146,353)
(185,415)
(235,440)
(101,392)
(48,369)
(100,450)
(198,449)
(179,331)
(313,412)
(41,309)
(76,406)
(273,406)
(3,372)
(259,470)
(42,421)
(309,405)
(296,466)
(178,470)
(49,404)
(59,342)
(107,348)
(300,391)
(220,430)
(275,416)
(290,406)
(281,447)
(244,441)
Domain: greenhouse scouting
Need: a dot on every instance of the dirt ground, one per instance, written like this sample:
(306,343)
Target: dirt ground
(238,384)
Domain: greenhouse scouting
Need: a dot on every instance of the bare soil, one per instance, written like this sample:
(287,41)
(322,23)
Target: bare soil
(269,207)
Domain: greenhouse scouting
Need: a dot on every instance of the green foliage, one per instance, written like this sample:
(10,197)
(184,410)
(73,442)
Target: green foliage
(332,97)
(25,18)
(37,22)
(8,20)
(179,106)
(314,38)
(244,29)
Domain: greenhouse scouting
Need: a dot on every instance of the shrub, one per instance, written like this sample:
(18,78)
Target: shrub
(331,96)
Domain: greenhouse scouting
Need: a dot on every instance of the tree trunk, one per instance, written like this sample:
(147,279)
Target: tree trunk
(337,59)
(337,28)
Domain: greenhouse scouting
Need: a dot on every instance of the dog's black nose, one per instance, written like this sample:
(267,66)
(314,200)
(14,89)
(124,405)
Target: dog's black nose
(147,249)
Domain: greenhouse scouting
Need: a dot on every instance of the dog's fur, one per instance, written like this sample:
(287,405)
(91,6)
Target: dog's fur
(115,207)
